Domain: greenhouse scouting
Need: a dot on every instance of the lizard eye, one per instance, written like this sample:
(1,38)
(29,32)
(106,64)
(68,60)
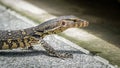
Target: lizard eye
(63,23)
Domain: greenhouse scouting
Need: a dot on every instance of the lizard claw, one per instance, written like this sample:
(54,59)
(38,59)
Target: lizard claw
(65,55)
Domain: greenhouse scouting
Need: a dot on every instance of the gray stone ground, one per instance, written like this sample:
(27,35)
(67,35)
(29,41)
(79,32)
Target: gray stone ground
(38,58)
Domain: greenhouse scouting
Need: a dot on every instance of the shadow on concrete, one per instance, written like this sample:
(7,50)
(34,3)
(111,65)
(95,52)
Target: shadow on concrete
(33,53)
(103,15)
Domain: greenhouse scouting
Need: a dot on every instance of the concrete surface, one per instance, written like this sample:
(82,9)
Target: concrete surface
(38,58)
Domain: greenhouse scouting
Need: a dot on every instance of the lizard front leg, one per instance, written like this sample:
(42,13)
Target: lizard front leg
(52,52)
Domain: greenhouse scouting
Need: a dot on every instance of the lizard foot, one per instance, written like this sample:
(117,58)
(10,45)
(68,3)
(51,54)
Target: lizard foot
(52,52)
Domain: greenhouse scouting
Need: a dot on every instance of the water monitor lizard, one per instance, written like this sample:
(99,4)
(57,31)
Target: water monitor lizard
(10,39)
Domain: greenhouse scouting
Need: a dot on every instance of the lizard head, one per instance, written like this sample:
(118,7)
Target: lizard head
(72,22)
(60,24)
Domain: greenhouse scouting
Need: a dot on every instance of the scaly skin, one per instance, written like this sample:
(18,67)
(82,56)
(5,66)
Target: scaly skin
(11,39)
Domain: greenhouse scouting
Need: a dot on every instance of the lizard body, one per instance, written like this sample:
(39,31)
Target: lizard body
(10,39)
